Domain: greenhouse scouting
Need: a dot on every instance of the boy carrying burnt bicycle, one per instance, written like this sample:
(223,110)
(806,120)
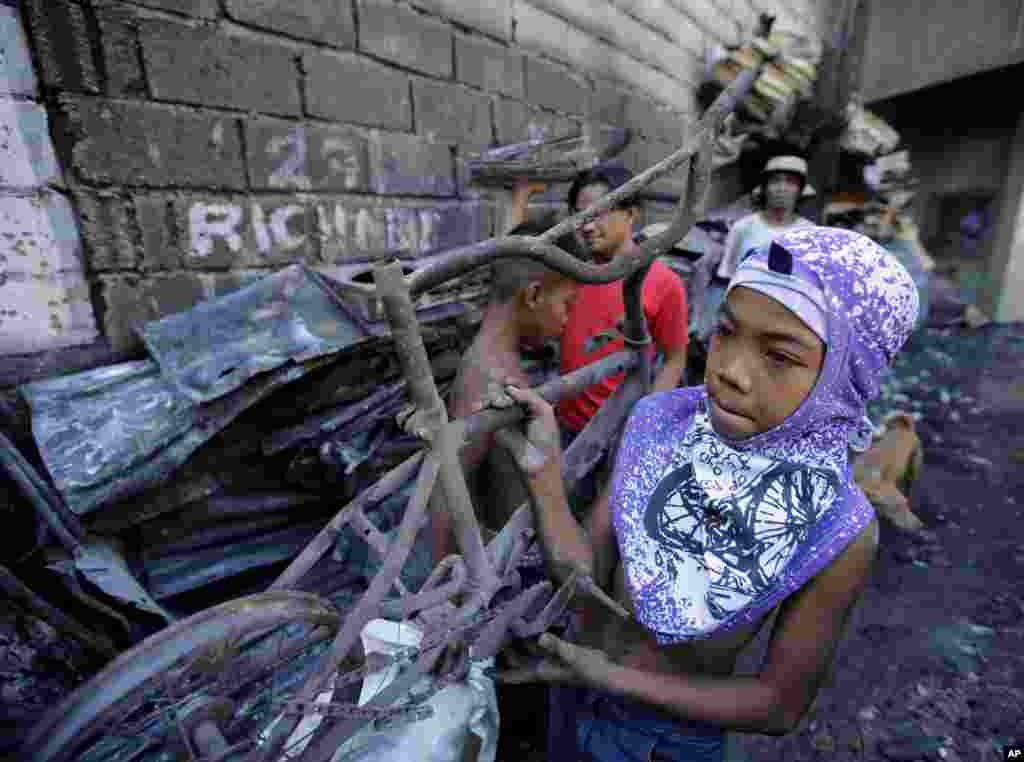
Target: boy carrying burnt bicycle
(732,505)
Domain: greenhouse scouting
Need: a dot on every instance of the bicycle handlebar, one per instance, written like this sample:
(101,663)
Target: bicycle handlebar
(541,248)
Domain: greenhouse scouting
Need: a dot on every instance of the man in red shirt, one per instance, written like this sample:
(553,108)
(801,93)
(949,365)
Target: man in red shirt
(594,329)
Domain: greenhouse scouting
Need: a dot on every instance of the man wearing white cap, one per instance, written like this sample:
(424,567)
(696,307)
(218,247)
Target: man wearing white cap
(784,182)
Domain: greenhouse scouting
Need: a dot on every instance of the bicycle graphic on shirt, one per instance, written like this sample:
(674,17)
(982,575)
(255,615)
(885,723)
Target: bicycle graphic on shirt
(743,542)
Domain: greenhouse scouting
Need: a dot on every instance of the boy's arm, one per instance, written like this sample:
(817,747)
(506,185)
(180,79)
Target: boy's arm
(518,208)
(565,544)
(809,626)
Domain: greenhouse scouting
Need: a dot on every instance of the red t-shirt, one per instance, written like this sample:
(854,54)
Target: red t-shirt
(594,331)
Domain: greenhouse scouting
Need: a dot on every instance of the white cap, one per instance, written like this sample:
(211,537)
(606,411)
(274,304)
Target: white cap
(793,164)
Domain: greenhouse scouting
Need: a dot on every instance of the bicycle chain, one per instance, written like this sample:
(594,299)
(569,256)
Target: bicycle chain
(403,659)
(411,712)
(480,619)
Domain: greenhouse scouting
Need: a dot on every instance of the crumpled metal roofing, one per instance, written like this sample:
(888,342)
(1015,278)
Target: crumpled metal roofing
(112,432)
(217,346)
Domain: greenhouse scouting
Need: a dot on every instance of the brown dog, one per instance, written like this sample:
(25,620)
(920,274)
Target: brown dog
(886,472)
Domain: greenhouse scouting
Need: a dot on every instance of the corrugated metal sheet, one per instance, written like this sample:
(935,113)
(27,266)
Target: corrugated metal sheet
(109,433)
(217,346)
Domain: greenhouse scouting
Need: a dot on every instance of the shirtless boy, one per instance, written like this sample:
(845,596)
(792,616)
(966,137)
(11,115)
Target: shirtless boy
(729,502)
(529,305)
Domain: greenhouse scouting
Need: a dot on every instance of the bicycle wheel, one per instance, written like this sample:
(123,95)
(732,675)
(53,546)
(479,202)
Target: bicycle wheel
(232,664)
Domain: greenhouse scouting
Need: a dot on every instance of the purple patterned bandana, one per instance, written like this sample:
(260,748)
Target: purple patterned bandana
(714,533)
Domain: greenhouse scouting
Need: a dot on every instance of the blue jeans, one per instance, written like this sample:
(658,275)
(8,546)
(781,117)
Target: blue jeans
(587,726)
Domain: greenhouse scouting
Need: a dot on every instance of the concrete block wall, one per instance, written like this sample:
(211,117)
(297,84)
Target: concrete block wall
(204,142)
(44,297)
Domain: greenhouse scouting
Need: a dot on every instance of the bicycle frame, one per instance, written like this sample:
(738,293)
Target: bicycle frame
(473,573)
(454,604)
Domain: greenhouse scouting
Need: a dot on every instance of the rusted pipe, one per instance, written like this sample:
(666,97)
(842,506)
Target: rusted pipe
(691,200)
(601,431)
(563,387)
(409,347)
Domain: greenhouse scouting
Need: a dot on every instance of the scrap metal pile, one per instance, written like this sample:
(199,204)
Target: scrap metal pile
(226,451)
(255,418)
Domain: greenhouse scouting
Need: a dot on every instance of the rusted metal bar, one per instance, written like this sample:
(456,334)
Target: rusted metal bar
(432,593)
(695,187)
(564,387)
(369,533)
(16,591)
(601,431)
(368,606)
(412,353)
(493,637)
(395,479)
(332,420)
(482,577)
(635,329)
